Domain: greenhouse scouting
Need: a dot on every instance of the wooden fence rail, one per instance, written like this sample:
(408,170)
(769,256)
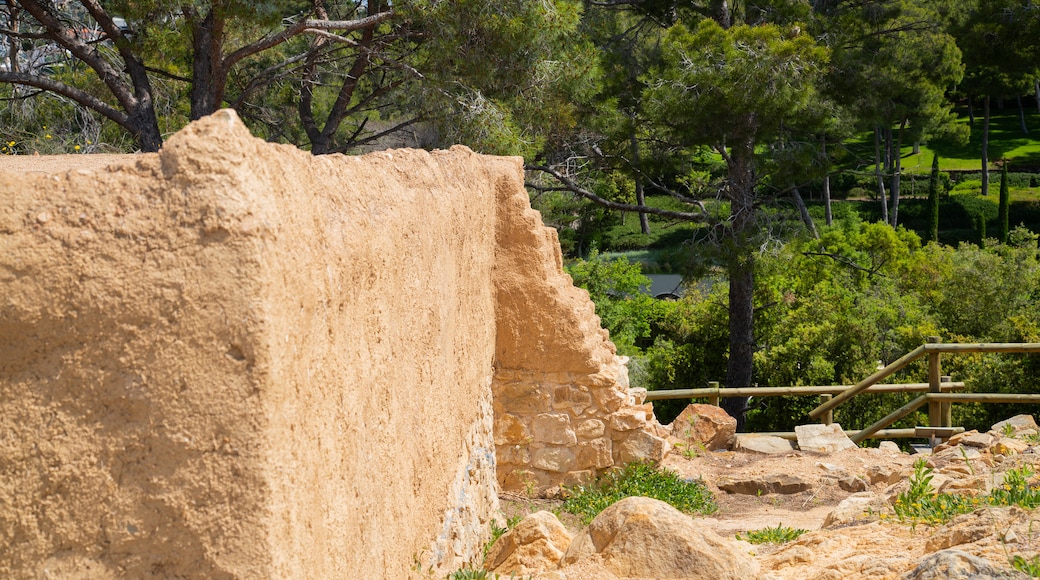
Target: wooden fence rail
(936,396)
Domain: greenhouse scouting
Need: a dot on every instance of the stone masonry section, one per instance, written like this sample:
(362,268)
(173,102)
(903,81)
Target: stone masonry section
(564,413)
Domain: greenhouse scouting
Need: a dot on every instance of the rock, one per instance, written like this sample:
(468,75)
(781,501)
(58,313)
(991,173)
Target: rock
(889,447)
(535,545)
(857,508)
(978,440)
(1018,423)
(970,528)
(822,438)
(554,428)
(705,424)
(646,538)
(628,419)
(777,483)
(641,446)
(885,474)
(1008,446)
(958,565)
(765,444)
(852,484)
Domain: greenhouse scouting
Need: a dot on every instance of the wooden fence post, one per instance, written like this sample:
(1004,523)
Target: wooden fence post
(935,411)
(946,407)
(714,399)
(827,417)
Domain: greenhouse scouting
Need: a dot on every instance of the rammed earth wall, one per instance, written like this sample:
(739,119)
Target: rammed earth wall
(233,359)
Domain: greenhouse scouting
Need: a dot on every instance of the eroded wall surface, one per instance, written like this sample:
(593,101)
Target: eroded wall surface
(234,360)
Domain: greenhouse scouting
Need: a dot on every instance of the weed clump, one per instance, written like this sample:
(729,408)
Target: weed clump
(640,480)
(778,535)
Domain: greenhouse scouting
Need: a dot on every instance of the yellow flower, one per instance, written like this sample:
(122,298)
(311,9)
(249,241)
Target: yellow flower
(76,148)
(10,143)
(48,135)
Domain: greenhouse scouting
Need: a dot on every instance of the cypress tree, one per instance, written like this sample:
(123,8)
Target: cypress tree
(933,201)
(1005,201)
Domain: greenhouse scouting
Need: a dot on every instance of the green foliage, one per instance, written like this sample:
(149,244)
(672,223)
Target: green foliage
(778,535)
(1029,566)
(472,574)
(703,102)
(502,77)
(643,480)
(614,286)
(919,504)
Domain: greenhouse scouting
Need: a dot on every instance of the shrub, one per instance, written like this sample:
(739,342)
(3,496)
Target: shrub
(777,535)
(640,480)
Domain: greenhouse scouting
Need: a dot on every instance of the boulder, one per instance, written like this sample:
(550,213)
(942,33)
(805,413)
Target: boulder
(1008,446)
(1018,423)
(535,545)
(857,508)
(886,474)
(822,438)
(851,483)
(647,538)
(890,447)
(958,565)
(763,485)
(764,444)
(705,424)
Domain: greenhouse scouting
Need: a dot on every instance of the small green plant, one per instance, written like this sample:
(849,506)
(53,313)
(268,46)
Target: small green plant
(1008,430)
(778,535)
(691,450)
(1016,490)
(640,479)
(1031,566)
(919,505)
(471,574)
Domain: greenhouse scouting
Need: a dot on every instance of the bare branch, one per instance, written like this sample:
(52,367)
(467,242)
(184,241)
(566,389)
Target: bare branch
(576,189)
(82,97)
(845,260)
(365,49)
(297,28)
(378,135)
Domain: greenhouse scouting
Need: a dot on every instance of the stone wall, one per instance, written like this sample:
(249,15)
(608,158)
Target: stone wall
(564,413)
(232,359)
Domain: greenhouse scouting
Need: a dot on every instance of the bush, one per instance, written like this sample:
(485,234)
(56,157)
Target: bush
(641,480)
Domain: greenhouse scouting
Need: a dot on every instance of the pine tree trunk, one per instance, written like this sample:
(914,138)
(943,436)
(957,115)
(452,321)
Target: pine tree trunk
(880,177)
(208,77)
(896,173)
(827,215)
(804,212)
(1022,116)
(644,220)
(985,146)
(741,270)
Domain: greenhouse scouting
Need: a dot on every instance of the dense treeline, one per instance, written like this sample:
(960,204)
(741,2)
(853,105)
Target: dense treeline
(723,116)
(829,312)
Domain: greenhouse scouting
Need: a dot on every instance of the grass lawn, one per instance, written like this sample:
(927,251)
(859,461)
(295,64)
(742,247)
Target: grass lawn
(1006,142)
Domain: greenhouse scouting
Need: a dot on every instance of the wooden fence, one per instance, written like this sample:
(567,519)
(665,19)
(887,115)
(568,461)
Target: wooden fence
(937,392)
